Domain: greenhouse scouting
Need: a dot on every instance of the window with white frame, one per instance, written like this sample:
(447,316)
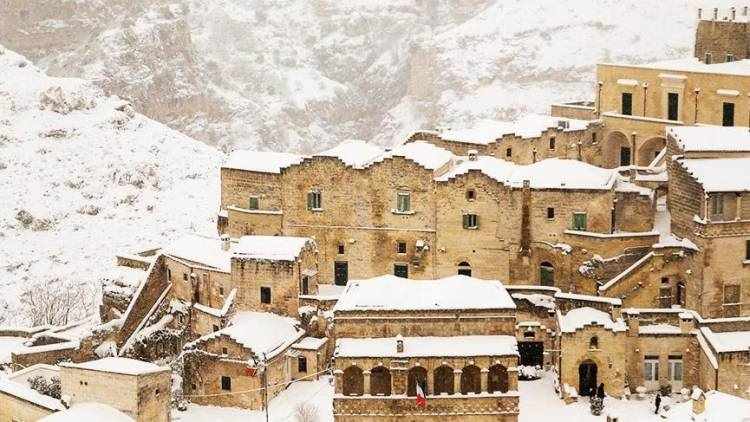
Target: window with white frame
(314,200)
(471,221)
(651,368)
(403,202)
(675,368)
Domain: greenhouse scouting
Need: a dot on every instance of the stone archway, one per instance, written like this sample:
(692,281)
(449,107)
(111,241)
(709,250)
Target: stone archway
(649,150)
(587,373)
(546,274)
(353,381)
(616,151)
(380,381)
(416,375)
(443,380)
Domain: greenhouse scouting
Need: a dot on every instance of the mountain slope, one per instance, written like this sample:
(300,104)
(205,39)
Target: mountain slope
(302,75)
(82,177)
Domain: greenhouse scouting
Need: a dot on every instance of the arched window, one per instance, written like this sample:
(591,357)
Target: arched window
(497,379)
(416,375)
(546,274)
(443,380)
(464,269)
(594,343)
(354,382)
(380,381)
(471,381)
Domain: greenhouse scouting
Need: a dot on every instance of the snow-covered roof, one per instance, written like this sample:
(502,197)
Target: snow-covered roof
(732,341)
(26,393)
(580,317)
(692,64)
(389,292)
(89,411)
(528,126)
(536,299)
(118,365)
(273,248)
(458,346)
(203,250)
(719,407)
(423,153)
(711,138)
(262,332)
(553,173)
(310,343)
(354,153)
(261,161)
(588,298)
(39,369)
(719,174)
(657,329)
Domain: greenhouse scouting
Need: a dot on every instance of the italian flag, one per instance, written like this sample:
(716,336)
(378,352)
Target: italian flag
(421,399)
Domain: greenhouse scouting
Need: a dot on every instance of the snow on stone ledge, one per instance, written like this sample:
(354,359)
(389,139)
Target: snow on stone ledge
(25,393)
(117,365)
(581,317)
(732,341)
(719,174)
(656,329)
(458,292)
(711,138)
(458,346)
(354,153)
(261,161)
(273,248)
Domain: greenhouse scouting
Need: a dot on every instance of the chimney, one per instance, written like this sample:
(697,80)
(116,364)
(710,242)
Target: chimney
(399,344)
(225,242)
(686,322)
(700,13)
(733,13)
(716,13)
(473,155)
(744,11)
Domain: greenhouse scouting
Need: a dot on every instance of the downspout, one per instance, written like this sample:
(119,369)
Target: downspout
(645,95)
(695,116)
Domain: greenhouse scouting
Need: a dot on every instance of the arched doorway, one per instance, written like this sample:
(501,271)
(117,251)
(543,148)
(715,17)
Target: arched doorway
(586,378)
(443,380)
(497,379)
(617,150)
(380,381)
(354,382)
(471,381)
(464,269)
(416,375)
(650,150)
(546,274)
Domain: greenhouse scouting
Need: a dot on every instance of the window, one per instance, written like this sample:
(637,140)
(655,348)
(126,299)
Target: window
(471,221)
(528,334)
(546,274)
(253,203)
(550,213)
(673,101)
(728,118)
(665,295)
(730,57)
(224,351)
(675,368)
(305,285)
(709,58)
(717,204)
(747,249)
(169,274)
(301,364)
(184,276)
(471,195)
(593,138)
(731,300)
(680,293)
(221,291)
(464,268)
(340,250)
(624,156)
(401,270)
(651,368)
(594,343)
(265,295)
(226,383)
(156,392)
(627,104)
(401,247)
(552,143)
(215,328)
(314,200)
(508,152)
(403,202)
(579,221)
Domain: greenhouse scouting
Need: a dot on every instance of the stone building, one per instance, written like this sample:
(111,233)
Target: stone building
(723,35)
(423,212)
(453,337)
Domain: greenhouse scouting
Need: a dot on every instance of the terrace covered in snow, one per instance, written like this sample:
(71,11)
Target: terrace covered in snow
(727,342)
(457,292)
(458,346)
(261,161)
(88,412)
(528,126)
(579,318)
(118,365)
(271,248)
(261,332)
(711,138)
(719,174)
(207,251)
(693,65)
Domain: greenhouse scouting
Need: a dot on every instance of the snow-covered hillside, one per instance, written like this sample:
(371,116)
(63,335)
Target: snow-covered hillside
(82,176)
(300,74)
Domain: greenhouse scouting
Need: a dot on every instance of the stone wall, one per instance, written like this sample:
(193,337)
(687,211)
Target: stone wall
(720,38)
(13,409)
(610,359)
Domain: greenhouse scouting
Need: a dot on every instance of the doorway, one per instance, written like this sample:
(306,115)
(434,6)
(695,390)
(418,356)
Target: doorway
(341,273)
(624,156)
(587,378)
(401,270)
(531,353)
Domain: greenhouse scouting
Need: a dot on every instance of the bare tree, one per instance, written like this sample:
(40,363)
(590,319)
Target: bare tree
(306,412)
(56,302)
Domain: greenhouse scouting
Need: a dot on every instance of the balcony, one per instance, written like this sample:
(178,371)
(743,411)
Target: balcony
(443,405)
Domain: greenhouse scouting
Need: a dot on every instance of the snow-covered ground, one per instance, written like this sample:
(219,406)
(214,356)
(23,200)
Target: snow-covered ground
(83,177)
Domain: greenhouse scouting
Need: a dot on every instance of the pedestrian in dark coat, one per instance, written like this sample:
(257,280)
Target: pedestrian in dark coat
(600,391)
(657,402)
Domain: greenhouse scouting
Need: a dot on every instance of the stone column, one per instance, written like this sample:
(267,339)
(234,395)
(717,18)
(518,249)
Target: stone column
(398,381)
(456,381)
(485,375)
(339,380)
(513,379)
(366,389)
(430,383)
(632,149)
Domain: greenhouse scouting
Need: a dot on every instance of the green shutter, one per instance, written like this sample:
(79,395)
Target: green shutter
(476,220)
(309,200)
(466,221)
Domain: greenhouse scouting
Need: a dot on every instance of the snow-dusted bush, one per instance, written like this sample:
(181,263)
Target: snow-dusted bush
(529,372)
(56,302)
(44,386)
